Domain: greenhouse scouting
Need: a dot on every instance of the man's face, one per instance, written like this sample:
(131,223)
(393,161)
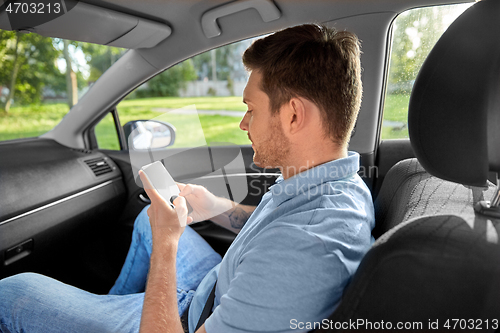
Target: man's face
(271,146)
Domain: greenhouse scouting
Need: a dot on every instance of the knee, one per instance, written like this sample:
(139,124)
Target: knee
(15,289)
(24,300)
(15,283)
(11,291)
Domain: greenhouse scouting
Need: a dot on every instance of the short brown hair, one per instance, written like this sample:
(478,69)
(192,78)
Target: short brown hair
(315,62)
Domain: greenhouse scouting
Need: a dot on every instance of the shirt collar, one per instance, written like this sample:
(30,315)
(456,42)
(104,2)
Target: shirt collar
(285,189)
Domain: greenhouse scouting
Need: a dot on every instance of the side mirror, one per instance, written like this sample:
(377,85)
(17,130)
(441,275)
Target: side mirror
(149,134)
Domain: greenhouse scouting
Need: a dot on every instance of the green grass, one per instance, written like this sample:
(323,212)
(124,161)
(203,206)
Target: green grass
(34,120)
(396,107)
(30,121)
(214,128)
(232,103)
(191,130)
(392,133)
(396,110)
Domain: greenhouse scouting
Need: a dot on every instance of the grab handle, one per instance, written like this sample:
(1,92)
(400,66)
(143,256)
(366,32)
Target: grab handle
(266,8)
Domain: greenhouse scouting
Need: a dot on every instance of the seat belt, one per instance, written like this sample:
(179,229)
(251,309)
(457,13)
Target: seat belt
(207,309)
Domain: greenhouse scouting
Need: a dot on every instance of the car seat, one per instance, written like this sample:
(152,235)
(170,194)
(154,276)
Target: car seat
(437,261)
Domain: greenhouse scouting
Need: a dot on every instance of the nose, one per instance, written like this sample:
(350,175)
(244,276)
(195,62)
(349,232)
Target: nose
(244,122)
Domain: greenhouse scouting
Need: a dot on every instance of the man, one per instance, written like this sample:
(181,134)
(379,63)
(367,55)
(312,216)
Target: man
(294,253)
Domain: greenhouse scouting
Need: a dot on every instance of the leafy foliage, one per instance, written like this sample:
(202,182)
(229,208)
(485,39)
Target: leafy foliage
(224,59)
(415,34)
(35,58)
(169,82)
(99,58)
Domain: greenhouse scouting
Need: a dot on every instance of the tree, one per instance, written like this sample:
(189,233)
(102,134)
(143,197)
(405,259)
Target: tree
(224,59)
(16,63)
(71,84)
(170,81)
(28,64)
(415,33)
(99,58)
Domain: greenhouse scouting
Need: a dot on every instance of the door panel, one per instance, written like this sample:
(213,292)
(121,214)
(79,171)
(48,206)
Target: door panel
(55,202)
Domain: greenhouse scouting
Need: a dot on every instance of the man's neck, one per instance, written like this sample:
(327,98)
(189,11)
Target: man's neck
(307,162)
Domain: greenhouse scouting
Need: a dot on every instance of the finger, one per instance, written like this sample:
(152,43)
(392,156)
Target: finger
(180,204)
(181,210)
(180,185)
(186,189)
(145,180)
(189,220)
(150,190)
(189,208)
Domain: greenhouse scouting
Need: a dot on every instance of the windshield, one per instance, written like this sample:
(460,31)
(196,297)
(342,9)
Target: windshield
(37,90)
(36,87)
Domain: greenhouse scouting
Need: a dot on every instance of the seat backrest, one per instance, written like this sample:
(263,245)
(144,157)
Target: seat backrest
(394,196)
(426,270)
(409,191)
(438,256)
(437,259)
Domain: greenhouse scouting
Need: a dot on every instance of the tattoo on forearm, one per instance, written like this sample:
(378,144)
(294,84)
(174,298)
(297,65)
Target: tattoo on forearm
(238,218)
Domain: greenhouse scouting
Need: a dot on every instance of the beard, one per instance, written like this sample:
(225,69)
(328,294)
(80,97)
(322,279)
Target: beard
(272,151)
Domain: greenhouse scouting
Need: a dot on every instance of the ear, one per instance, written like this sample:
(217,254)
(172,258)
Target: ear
(295,115)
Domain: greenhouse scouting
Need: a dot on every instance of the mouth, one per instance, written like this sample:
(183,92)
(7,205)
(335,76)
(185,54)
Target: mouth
(249,138)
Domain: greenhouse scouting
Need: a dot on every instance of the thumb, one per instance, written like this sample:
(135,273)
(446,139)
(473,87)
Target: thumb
(186,189)
(149,188)
(180,206)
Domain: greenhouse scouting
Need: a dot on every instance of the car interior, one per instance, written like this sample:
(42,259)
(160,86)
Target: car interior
(67,206)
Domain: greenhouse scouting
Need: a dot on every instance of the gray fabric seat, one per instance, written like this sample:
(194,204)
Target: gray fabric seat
(409,191)
(437,257)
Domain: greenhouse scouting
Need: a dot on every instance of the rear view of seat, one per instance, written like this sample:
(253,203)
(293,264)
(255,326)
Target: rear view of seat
(438,254)
(409,191)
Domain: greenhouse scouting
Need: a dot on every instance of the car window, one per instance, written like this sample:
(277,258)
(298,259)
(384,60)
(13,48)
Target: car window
(106,134)
(36,91)
(415,32)
(200,97)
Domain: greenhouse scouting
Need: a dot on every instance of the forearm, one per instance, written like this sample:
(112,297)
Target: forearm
(234,217)
(160,312)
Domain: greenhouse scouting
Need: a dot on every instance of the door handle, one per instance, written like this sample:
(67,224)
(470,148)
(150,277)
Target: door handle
(144,198)
(266,8)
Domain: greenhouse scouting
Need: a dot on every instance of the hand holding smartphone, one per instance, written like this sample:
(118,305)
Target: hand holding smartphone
(163,182)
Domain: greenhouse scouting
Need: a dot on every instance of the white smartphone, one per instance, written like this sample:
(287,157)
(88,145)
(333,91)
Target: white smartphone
(161,180)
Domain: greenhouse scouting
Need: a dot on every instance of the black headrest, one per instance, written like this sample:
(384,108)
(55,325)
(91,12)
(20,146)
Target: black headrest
(454,111)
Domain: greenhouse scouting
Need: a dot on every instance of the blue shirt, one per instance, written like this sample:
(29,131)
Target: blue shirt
(295,254)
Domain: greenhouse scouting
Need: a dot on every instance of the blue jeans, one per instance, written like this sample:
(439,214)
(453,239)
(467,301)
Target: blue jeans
(35,303)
